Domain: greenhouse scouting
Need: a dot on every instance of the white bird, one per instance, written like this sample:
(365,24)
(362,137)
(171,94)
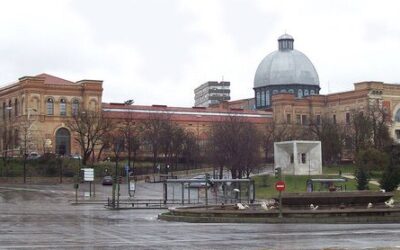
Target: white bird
(312,207)
(240,206)
(236,190)
(390,203)
(383,190)
(369,205)
(264,205)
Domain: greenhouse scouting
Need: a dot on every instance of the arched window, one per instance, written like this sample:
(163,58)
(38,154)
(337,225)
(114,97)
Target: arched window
(63,107)
(300,93)
(397,116)
(267,98)
(75,107)
(50,106)
(258,97)
(63,142)
(16,107)
(291,91)
(283,90)
(306,92)
(312,92)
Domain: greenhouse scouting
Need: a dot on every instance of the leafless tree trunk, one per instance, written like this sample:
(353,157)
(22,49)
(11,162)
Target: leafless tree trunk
(234,143)
(89,127)
(153,128)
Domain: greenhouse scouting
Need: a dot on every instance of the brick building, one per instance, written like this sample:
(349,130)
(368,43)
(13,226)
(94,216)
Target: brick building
(35,110)
(286,89)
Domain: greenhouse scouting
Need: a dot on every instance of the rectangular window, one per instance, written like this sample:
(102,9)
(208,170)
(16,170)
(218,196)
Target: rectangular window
(318,120)
(334,119)
(288,119)
(303,158)
(398,134)
(304,120)
(347,118)
(298,119)
(263,98)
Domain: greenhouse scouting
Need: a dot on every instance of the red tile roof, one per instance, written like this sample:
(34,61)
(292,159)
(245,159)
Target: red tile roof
(182,114)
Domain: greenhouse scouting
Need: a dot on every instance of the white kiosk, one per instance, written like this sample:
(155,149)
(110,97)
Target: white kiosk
(298,157)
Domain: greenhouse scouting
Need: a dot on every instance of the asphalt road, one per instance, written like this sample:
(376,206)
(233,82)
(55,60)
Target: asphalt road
(41,217)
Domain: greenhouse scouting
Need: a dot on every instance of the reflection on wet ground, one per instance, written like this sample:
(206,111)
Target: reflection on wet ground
(41,217)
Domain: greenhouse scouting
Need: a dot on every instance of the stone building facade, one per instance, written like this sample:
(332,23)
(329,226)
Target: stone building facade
(340,106)
(35,110)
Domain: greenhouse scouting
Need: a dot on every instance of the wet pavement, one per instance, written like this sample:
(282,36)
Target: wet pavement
(42,217)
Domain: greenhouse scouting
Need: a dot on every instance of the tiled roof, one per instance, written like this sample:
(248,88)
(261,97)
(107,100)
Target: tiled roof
(180,113)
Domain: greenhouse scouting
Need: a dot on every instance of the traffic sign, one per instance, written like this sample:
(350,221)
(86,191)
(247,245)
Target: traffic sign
(280,186)
(88,174)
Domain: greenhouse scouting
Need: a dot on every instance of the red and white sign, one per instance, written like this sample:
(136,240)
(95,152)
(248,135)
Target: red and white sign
(280,186)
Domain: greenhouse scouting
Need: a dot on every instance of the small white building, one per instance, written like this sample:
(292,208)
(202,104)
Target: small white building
(298,157)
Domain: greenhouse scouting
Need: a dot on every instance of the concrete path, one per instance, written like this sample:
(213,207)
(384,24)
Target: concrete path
(373,182)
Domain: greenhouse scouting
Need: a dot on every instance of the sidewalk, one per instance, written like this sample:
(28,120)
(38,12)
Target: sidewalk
(373,182)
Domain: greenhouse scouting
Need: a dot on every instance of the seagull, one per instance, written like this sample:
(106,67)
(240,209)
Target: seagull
(312,207)
(369,205)
(264,205)
(236,190)
(390,203)
(383,190)
(241,207)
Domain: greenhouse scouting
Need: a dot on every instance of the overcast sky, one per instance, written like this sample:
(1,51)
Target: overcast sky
(159,51)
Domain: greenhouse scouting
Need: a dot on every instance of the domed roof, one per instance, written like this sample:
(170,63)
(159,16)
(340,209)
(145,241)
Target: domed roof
(285,36)
(285,66)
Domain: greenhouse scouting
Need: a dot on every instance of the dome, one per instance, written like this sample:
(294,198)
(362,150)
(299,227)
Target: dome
(285,36)
(285,66)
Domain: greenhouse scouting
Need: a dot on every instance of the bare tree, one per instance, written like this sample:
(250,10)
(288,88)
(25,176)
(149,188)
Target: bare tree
(25,141)
(8,145)
(331,136)
(380,121)
(251,144)
(360,130)
(190,149)
(177,144)
(276,132)
(153,128)
(90,127)
(235,145)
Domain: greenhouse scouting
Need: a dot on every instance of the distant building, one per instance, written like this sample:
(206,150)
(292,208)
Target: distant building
(285,70)
(211,93)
